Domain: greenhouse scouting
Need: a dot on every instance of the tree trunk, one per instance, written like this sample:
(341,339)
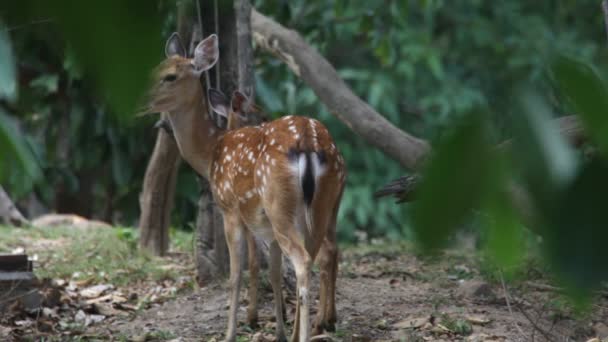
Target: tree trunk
(9,214)
(156,200)
(235,69)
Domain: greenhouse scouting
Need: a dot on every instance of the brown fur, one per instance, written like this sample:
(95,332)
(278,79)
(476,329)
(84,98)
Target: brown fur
(257,187)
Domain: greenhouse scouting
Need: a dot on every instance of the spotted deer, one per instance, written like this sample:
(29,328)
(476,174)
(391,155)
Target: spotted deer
(281,181)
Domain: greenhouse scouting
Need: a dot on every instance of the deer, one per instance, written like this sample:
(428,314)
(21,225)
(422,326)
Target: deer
(281,181)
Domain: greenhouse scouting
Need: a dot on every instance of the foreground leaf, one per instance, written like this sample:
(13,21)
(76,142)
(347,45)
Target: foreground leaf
(577,240)
(8,79)
(116,42)
(453,183)
(547,162)
(588,94)
(15,156)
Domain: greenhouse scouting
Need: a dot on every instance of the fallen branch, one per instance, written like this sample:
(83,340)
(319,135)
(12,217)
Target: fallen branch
(404,187)
(508,301)
(306,62)
(551,288)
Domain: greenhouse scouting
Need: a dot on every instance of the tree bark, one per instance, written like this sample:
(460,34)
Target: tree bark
(9,214)
(235,67)
(321,76)
(156,199)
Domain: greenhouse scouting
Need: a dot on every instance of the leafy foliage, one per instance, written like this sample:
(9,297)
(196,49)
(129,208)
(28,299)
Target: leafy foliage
(425,65)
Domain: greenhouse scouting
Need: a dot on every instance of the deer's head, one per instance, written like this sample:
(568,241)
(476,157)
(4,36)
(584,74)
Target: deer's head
(177,79)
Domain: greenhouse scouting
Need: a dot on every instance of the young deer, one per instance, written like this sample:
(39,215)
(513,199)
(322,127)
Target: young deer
(282,181)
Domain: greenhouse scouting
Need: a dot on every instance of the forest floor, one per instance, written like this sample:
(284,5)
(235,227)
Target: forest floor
(98,287)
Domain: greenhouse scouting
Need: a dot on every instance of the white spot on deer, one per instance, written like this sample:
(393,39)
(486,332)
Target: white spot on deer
(225,148)
(272,142)
(292,128)
(273,161)
(258,172)
(240,145)
(249,194)
(228,158)
(297,136)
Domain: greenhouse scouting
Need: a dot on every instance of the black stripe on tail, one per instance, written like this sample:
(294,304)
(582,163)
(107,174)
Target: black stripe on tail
(308,179)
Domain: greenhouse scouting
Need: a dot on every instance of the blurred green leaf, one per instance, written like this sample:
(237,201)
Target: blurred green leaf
(15,152)
(453,183)
(117,42)
(588,94)
(505,242)
(578,239)
(8,79)
(46,82)
(547,161)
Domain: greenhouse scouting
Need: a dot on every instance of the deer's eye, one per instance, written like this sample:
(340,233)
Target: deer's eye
(170,78)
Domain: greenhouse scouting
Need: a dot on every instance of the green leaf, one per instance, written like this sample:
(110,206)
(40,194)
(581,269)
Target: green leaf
(578,238)
(270,99)
(435,65)
(47,82)
(14,150)
(8,79)
(547,161)
(505,242)
(117,43)
(121,169)
(453,183)
(588,94)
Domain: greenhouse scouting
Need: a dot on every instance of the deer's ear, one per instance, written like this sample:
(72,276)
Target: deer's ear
(218,101)
(174,46)
(206,53)
(239,102)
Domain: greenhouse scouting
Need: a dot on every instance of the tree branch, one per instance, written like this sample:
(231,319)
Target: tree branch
(320,75)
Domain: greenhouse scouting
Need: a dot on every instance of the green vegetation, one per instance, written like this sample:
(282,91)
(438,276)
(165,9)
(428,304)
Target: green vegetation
(464,75)
(99,255)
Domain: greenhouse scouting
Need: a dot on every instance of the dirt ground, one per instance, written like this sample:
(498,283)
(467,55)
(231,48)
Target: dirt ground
(385,292)
(392,296)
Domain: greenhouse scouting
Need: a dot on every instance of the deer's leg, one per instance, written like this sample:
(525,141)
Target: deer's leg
(331,317)
(234,238)
(275,281)
(326,315)
(293,245)
(252,310)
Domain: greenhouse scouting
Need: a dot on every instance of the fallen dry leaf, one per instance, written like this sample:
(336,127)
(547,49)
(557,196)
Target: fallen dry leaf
(95,290)
(411,323)
(99,299)
(478,319)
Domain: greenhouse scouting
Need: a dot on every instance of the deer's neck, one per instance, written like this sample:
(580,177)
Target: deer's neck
(194,132)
